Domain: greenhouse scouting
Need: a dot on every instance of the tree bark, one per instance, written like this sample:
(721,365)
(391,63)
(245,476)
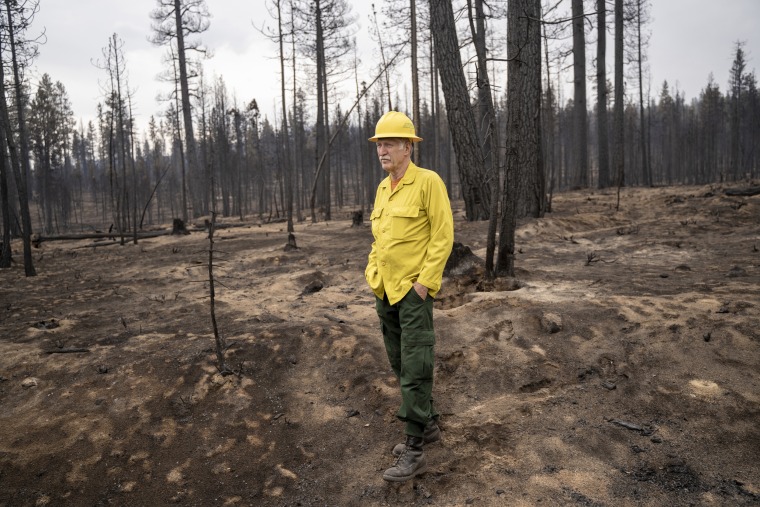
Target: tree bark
(552,156)
(327,196)
(580,124)
(619,94)
(488,130)
(472,174)
(21,176)
(5,252)
(297,166)
(645,163)
(116,48)
(434,141)
(523,157)
(321,113)
(285,134)
(417,155)
(601,98)
(187,117)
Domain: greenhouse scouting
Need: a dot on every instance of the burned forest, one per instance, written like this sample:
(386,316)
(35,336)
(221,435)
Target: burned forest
(184,314)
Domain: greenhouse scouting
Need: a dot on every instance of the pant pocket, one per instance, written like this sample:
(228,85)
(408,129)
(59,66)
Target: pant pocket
(418,365)
(418,337)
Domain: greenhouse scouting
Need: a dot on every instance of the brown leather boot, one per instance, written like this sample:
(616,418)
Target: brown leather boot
(432,434)
(410,463)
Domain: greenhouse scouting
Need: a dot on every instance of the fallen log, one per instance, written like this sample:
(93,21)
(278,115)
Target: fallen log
(37,240)
(96,235)
(69,350)
(742,192)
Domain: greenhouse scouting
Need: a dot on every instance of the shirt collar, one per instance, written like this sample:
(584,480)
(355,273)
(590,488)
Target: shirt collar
(406,179)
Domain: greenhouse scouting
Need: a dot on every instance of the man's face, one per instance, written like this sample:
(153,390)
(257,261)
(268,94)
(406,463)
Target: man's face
(393,154)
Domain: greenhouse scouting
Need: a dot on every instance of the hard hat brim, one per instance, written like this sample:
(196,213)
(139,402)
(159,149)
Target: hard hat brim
(398,135)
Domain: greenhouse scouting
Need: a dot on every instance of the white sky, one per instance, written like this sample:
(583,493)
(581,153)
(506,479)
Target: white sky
(690,39)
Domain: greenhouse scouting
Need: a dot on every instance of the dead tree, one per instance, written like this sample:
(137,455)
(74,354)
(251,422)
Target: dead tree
(619,143)
(6,255)
(24,13)
(640,46)
(175,21)
(415,77)
(523,156)
(580,123)
(221,343)
(285,134)
(488,128)
(5,244)
(279,39)
(115,65)
(462,124)
(601,97)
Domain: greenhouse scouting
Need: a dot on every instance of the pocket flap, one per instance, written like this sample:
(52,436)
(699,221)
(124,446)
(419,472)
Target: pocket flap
(405,211)
(376,213)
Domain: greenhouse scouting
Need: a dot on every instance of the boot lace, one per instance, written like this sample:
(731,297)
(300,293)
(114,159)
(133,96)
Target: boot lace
(401,456)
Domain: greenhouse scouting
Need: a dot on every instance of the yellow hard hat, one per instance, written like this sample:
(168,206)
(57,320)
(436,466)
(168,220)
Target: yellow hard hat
(395,124)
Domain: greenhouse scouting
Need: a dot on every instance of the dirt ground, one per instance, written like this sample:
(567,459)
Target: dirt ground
(624,370)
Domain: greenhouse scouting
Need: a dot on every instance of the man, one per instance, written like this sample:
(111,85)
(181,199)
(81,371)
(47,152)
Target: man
(414,231)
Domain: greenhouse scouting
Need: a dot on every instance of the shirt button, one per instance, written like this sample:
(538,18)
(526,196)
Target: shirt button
(383,263)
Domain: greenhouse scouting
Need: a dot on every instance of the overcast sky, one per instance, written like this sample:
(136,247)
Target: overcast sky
(690,39)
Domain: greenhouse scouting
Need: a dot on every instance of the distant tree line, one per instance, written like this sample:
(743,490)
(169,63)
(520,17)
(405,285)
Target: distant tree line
(501,145)
(713,138)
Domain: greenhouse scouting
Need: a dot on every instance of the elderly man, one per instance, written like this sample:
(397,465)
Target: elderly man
(413,229)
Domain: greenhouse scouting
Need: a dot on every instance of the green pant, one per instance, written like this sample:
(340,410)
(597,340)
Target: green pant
(409,339)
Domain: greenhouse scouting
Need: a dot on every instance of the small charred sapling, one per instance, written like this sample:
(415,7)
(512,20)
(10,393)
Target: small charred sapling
(221,343)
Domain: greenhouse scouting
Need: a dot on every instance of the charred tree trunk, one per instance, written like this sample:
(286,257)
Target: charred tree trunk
(601,98)
(327,197)
(186,111)
(117,77)
(24,170)
(415,80)
(297,166)
(523,157)
(462,125)
(220,342)
(645,164)
(488,129)
(435,159)
(580,123)
(285,135)
(321,106)
(619,85)
(5,247)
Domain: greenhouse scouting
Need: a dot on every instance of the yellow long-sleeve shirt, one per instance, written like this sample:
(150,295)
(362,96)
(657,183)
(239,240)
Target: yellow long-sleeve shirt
(414,231)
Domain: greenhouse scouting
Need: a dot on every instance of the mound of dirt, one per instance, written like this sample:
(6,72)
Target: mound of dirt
(620,368)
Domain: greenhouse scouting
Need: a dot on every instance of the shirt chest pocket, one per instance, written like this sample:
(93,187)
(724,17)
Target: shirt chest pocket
(375,220)
(407,222)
